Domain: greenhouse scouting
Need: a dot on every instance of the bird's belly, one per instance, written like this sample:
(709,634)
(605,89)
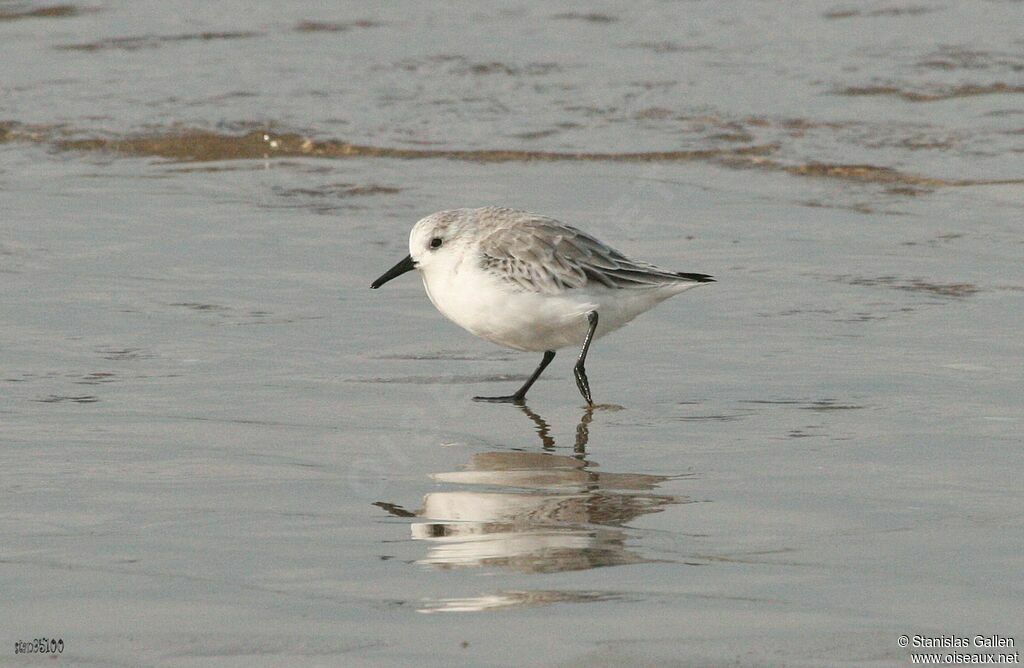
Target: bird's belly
(519,320)
(535,321)
(526,321)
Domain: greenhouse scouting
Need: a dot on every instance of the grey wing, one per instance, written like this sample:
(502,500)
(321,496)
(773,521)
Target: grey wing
(540,254)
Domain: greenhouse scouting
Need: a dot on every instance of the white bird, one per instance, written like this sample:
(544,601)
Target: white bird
(531,283)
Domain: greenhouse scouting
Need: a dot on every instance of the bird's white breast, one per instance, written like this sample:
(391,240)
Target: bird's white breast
(494,310)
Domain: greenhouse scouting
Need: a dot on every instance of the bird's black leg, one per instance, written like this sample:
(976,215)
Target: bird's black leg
(579,371)
(520,394)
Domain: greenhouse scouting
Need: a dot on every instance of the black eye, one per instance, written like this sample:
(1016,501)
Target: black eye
(436,242)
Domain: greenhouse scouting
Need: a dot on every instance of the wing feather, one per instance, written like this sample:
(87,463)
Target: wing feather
(540,254)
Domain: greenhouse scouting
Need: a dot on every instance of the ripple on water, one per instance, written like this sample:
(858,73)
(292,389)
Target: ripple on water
(154,41)
(956,290)
(937,93)
(52,12)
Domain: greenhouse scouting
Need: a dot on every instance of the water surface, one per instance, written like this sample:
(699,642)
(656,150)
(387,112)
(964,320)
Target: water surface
(221,448)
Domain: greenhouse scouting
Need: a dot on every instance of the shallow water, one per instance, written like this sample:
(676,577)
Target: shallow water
(221,448)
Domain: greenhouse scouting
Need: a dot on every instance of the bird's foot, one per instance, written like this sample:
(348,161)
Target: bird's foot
(510,399)
(583,384)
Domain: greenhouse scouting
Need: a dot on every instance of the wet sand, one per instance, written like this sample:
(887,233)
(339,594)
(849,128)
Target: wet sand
(222,448)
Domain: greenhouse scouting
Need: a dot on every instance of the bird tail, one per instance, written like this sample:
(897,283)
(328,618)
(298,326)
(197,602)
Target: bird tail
(699,278)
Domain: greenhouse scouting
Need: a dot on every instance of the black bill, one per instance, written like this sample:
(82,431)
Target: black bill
(405,265)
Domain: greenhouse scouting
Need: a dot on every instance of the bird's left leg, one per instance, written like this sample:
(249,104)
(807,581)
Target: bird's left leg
(579,371)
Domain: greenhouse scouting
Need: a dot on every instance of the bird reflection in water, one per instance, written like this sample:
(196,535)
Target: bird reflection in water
(535,512)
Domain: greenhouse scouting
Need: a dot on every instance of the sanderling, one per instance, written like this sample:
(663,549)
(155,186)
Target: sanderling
(531,283)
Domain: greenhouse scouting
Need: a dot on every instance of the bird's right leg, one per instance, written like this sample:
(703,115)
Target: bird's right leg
(520,394)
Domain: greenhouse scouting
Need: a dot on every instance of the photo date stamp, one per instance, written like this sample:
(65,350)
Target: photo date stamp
(39,646)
